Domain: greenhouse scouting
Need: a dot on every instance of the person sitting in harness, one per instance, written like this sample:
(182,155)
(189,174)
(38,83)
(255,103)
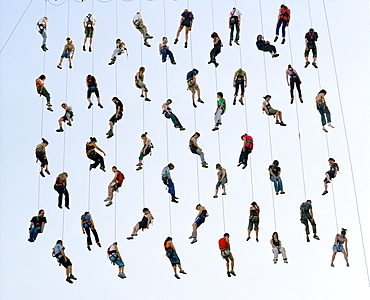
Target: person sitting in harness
(187,18)
(40,152)
(37,225)
(114,185)
(147,149)
(199,220)
(87,223)
(139,25)
(173,257)
(266,107)
(120,48)
(224,245)
(68,116)
(329,175)
(277,248)
(59,253)
(216,50)
(89,23)
(42,91)
(265,46)
(195,149)
(116,259)
(143,224)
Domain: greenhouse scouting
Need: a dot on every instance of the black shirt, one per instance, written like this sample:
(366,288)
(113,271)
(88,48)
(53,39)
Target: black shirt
(275,170)
(311,38)
(37,221)
(119,106)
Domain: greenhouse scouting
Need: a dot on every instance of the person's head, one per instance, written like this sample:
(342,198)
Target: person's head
(198,206)
(196,71)
(60,242)
(343,232)
(282,6)
(259,37)
(311,30)
(115,244)
(46,18)
(226,235)
(169,101)
(171,166)
(64,105)
(309,201)
(214,35)
(322,92)
(146,210)
(196,135)
(141,70)
(331,160)
(42,77)
(168,239)
(114,168)
(243,137)
(218,167)
(267,97)
(275,235)
(254,203)
(115,99)
(63,175)
(69,40)
(290,67)
(118,41)
(93,139)
(186,9)
(220,95)
(275,162)
(164,40)
(41,213)
(143,136)
(240,71)
(45,142)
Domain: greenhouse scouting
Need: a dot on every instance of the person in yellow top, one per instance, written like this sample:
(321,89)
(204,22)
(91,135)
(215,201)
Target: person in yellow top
(173,257)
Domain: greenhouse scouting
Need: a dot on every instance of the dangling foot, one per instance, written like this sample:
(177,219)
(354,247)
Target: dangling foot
(186,45)
(109,134)
(308,239)
(70,66)
(47,171)
(192,237)
(183,272)
(234,101)
(347,265)
(323,128)
(315,65)
(204,165)
(60,206)
(316,237)
(182,128)
(239,164)
(149,36)
(111,62)
(241,101)
(177,276)
(147,99)
(100,105)
(59,130)
(83,48)
(285,260)
(224,194)
(200,100)
(88,247)
(173,62)
(237,42)
(72,277)
(43,47)
(282,192)
(276,38)
(59,66)
(90,104)
(215,128)
(69,280)
(67,207)
(248,238)
(332,265)
(275,261)
(300,99)
(257,240)
(282,123)
(329,124)
(324,193)
(49,107)
(306,64)
(195,106)
(42,174)
(244,167)
(215,196)
(147,44)
(107,199)
(90,49)
(102,168)
(291,100)
(174,200)
(230,42)
(194,241)
(277,193)
(98,243)
(283,41)
(139,168)
(275,55)
(232,273)
(176,40)
(69,123)
(216,64)
(142,96)
(109,203)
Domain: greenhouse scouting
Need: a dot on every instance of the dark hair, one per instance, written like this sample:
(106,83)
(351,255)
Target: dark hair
(145,209)
(144,134)
(254,203)
(114,167)
(260,35)
(277,236)
(344,231)
(332,159)
(214,34)
(282,6)
(115,98)
(41,210)
(59,241)
(196,70)
(196,133)
(68,38)
(290,66)
(45,141)
(311,29)
(267,96)
(198,205)
(309,201)
(220,94)
(322,91)
(170,165)
(275,162)
(226,235)
(169,100)
(42,77)
(164,38)
(218,166)
(93,139)
(167,239)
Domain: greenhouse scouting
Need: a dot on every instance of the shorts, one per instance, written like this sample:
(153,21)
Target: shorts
(314,50)
(340,248)
(115,259)
(114,120)
(42,158)
(89,32)
(141,85)
(64,118)
(272,111)
(199,221)
(65,262)
(66,55)
(115,185)
(254,220)
(92,89)
(192,86)
(143,224)
(221,183)
(186,23)
(225,253)
(173,257)
(331,176)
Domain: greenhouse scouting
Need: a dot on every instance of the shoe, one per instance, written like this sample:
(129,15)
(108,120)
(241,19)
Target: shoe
(347,265)
(210,62)
(231,43)
(147,99)
(59,130)
(195,106)
(177,126)
(67,207)
(291,100)
(276,38)
(176,40)
(177,276)
(90,49)
(142,96)
(30,240)
(60,206)
(130,238)
(277,122)
(224,194)
(237,42)
(282,124)
(109,203)
(329,124)
(216,128)
(216,65)
(102,168)
(244,167)
(283,41)
(43,48)
(316,237)
(215,196)
(200,100)
(164,60)
(315,65)
(194,241)
(90,104)
(275,55)
(241,101)
(234,102)
(173,62)
(228,274)
(232,273)
(332,265)
(123,276)
(88,247)
(248,238)
(277,193)
(120,275)
(186,45)
(101,106)
(111,62)
(204,165)
(183,272)
(139,164)
(285,260)
(174,200)
(275,261)
(98,244)
(70,66)
(324,129)
(149,36)
(83,48)
(324,193)
(239,164)
(139,168)
(69,280)
(47,171)
(72,277)
(110,134)
(182,128)
(147,44)
(257,240)
(107,199)
(91,167)
(282,192)
(300,99)
(69,123)
(192,237)
(308,239)
(133,234)
(59,66)
(49,108)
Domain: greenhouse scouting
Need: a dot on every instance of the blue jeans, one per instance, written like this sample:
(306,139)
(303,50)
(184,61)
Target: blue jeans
(171,186)
(166,52)
(45,36)
(34,232)
(277,183)
(174,119)
(325,112)
(281,21)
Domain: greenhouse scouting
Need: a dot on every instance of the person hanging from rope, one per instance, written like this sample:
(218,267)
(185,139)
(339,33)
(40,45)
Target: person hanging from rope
(217,44)
(224,245)
(240,80)
(139,82)
(195,149)
(143,224)
(165,51)
(186,20)
(220,110)
(254,220)
(173,257)
(283,19)
(147,149)
(167,180)
(120,48)
(116,259)
(221,180)
(68,116)
(93,155)
(37,225)
(40,152)
(307,215)
(191,78)
(246,150)
(294,80)
(87,224)
(234,22)
(42,25)
(339,240)
(277,248)
(266,107)
(116,117)
(167,112)
(265,46)
(92,87)
(329,175)
(199,220)
(274,172)
(139,25)
(323,110)
(68,52)
(59,253)
(42,91)
(310,41)
(61,187)
(89,23)
(114,185)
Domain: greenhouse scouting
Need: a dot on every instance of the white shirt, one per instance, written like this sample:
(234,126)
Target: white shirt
(92,19)
(42,22)
(237,13)
(137,17)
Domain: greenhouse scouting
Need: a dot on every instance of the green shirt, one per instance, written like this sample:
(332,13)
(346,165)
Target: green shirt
(240,76)
(221,101)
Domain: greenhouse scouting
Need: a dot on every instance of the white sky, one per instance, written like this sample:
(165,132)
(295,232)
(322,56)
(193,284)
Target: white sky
(29,271)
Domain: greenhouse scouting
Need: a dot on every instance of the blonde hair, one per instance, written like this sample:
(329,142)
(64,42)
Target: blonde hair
(63,175)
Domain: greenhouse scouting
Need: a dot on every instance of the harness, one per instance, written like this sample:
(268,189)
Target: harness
(320,104)
(285,13)
(89,148)
(86,220)
(91,81)
(192,147)
(304,209)
(232,14)
(89,21)
(240,76)
(41,27)
(312,38)
(255,212)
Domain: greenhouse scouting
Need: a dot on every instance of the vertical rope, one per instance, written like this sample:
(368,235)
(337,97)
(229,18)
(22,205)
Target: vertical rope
(116,131)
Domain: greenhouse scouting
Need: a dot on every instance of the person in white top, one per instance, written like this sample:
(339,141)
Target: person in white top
(234,22)
(116,259)
(89,23)
(139,25)
(42,25)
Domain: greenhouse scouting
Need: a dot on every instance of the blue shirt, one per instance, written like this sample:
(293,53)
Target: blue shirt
(191,74)
(57,248)
(166,172)
(187,15)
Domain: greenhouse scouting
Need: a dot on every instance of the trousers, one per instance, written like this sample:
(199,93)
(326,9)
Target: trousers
(93,230)
(173,118)
(170,185)
(276,253)
(325,115)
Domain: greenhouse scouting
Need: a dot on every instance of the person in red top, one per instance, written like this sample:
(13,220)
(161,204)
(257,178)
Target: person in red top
(42,91)
(224,245)
(246,150)
(114,185)
(254,219)
(329,175)
(283,19)
(173,257)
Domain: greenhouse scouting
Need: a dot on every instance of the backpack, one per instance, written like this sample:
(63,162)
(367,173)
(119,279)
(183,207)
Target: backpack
(91,81)
(304,209)
(249,142)
(285,13)
(86,220)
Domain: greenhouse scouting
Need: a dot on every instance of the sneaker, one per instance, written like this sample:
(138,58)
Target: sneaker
(186,45)
(332,265)
(130,238)
(139,164)
(291,100)
(59,130)
(216,128)
(300,99)
(91,167)
(324,193)
(329,124)
(285,260)
(60,206)
(149,36)
(204,165)
(98,244)
(324,129)
(275,261)
(244,167)
(123,276)
(224,194)
(200,100)
(49,108)
(194,241)
(192,237)
(147,44)
(83,48)
(109,203)
(100,105)
(283,41)
(315,65)
(308,239)
(215,196)
(102,168)
(69,280)
(70,66)
(237,42)
(275,55)
(43,48)
(182,128)
(111,62)
(90,49)
(306,64)
(174,200)
(177,126)
(276,38)
(248,238)
(173,62)
(210,62)
(142,96)
(177,276)
(277,193)
(47,171)
(147,99)
(231,43)
(239,164)
(59,66)
(88,247)
(347,265)
(110,134)
(183,272)
(282,192)
(67,207)
(133,234)
(164,60)
(232,273)
(195,106)
(72,277)
(176,40)
(316,237)
(277,122)
(257,240)
(282,124)
(90,104)
(139,168)
(69,123)
(216,65)
(30,240)
(241,101)
(234,102)
(228,274)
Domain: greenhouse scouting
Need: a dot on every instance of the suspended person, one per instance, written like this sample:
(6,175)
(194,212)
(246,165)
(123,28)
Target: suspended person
(199,220)
(165,51)
(139,25)
(307,215)
(114,185)
(221,180)
(61,187)
(195,149)
(220,110)
(310,41)
(186,20)
(274,172)
(294,80)
(265,46)
(234,22)
(254,220)
(42,25)
(120,48)
(87,224)
(68,116)
(37,225)
(246,150)
(116,259)
(240,81)
(339,240)
(93,155)
(116,117)
(329,175)
(224,245)
(42,91)
(217,44)
(92,87)
(89,25)
(139,82)
(41,157)
(323,110)
(266,107)
(193,86)
(283,19)
(147,149)
(59,253)
(68,52)
(167,180)
(277,248)
(167,112)
(173,257)
(143,224)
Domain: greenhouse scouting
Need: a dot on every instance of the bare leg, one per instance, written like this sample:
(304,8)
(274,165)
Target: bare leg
(227,264)
(174,269)
(186,33)
(98,99)
(325,186)
(249,233)
(224,188)
(91,42)
(135,229)
(179,265)
(60,122)
(257,234)
(216,192)
(89,100)
(232,264)
(85,39)
(110,125)
(306,58)
(333,257)
(70,60)
(110,192)
(179,30)
(198,93)
(195,226)
(314,59)
(60,61)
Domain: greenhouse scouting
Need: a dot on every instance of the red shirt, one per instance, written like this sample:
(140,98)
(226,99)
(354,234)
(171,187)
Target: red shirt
(223,244)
